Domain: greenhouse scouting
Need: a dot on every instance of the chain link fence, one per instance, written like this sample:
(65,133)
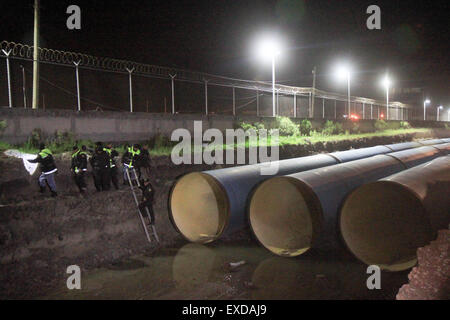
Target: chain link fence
(120,85)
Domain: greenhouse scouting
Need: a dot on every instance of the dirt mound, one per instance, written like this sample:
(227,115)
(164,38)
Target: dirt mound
(430,280)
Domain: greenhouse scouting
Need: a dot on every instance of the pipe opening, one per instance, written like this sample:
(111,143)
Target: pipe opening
(384,223)
(199,207)
(284,216)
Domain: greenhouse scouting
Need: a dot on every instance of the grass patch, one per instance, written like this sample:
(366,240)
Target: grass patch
(163,147)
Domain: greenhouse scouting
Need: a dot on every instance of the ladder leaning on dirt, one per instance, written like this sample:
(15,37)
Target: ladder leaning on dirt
(144,225)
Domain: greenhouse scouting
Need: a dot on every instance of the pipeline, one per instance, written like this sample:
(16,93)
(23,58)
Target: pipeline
(203,206)
(385,222)
(432,142)
(403,146)
(444,148)
(290,214)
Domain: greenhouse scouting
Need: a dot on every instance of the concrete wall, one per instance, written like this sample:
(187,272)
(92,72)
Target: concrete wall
(125,126)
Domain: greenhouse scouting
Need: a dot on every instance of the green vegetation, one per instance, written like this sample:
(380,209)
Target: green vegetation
(3,126)
(291,133)
(305,127)
(380,125)
(330,128)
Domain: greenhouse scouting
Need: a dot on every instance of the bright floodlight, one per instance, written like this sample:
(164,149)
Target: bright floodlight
(268,48)
(441,107)
(343,72)
(427,101)
(386,82)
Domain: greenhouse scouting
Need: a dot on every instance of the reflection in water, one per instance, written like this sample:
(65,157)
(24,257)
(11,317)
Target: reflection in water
(196,271)
(303,278)
(194,264)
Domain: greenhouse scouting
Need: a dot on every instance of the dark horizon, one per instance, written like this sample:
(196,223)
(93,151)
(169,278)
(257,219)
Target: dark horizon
(215,37)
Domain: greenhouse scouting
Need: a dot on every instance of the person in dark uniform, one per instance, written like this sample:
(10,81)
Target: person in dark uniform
(48,169)
(113,172)
(79,167)
(145,161)
(101,169)
(147,199)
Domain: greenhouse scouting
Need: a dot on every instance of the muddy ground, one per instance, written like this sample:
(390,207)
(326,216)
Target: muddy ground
(40,236)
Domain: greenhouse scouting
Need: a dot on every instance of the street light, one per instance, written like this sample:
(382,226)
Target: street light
(425,109)
(269,48)
(386,84)
(438,108)
(343,72)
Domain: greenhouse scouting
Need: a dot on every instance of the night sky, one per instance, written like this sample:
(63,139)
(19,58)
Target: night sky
(215,36)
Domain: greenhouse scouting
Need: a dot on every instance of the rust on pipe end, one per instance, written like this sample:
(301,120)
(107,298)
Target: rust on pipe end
(285,216)
(199,207)
(384,223)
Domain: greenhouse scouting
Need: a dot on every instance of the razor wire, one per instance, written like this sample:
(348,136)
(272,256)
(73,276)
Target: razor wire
(87,61)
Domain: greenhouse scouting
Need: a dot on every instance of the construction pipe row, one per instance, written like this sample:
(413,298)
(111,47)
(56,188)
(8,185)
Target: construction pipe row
(290,214)
(384,222)
(203,206)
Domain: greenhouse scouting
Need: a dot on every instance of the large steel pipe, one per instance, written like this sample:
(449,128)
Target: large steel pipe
(414,157)
(384,222)
(203,206)
(206,205)
(403,146)
(291,214)
(444,148)
(432,142)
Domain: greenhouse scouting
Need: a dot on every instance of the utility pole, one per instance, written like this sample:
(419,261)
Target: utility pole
(36,56)
(313,94)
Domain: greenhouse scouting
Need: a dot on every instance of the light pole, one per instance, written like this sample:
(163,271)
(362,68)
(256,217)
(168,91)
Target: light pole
(427,101)
(386,85)
(343,72)
(438,108)
(268,49)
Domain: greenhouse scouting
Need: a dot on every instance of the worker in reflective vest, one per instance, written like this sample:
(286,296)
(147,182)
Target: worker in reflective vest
(113,168)
(48,169)
(79,167)
(129,159)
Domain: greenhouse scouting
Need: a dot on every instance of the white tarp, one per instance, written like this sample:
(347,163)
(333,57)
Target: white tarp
(30,167)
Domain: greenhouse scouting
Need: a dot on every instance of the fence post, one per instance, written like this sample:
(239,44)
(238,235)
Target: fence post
(8,72)
(295,104)
(257,102)
(172,84)
(278,104)
(78,84)
(130,71)
(323,108)
(364,110)
(24,87)
(309,106)
(371,111)
(206,96)
(234,102)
